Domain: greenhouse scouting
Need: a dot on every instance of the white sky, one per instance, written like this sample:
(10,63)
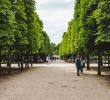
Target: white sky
(55,15)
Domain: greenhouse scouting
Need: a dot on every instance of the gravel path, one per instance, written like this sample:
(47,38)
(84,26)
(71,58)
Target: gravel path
(53,81)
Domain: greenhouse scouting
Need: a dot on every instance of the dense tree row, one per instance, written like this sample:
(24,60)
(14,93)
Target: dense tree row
(89,31)
(21,33)
(55,49)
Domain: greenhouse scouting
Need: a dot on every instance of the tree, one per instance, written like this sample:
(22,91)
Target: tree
(88,32)
(7,28)
(21,32)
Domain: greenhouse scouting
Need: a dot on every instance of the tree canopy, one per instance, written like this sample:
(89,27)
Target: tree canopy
(21,31)
(89,28)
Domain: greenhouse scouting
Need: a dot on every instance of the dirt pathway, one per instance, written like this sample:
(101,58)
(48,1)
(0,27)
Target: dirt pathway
(54,81)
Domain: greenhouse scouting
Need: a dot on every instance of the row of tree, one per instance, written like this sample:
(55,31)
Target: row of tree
(21,33)
(89,30)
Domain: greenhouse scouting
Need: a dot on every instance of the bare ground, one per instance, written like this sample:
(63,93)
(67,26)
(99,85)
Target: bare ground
(54,81)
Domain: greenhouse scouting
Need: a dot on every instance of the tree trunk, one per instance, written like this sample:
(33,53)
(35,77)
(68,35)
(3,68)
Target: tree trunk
(88,62)
(9,60)
(28,60)
(108,61)
(18,60)
(0,59)
(21,61)
(25,61)
(9,63)
(31,60)
(99,61)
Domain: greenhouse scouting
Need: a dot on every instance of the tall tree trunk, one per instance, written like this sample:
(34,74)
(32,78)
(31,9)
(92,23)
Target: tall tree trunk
(25,61)
(31,59)
(99,61)
(88,62)
(28,60)
(9,63)
(0,59)
(108,61)
(21,61)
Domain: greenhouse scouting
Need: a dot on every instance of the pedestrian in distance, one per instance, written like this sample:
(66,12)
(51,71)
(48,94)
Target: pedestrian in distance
(78,65)
(82,64)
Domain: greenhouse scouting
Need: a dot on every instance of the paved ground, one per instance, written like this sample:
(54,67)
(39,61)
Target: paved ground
(54,81)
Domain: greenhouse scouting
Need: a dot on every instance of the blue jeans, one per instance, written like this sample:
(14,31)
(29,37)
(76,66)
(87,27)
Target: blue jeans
(79,68)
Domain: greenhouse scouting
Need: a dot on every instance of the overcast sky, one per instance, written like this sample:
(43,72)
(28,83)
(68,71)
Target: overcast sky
(55,15)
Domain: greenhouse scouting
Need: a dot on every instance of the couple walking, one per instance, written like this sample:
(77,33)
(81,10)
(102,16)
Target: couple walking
(79,65)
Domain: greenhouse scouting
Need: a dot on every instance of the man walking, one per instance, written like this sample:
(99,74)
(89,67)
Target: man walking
(78,64)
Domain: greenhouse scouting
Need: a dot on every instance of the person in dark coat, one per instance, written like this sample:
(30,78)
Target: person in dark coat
(78,64)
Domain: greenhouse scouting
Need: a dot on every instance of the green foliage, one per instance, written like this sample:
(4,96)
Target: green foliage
(89,28)
(103,21)
(54,49)
(21,36)
(7,25)
(21,28)
(46,47)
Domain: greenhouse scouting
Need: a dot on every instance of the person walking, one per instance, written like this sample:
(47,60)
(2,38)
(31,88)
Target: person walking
(78,64)
(82,65)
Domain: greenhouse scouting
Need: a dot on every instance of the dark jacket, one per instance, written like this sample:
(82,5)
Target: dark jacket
(78,62)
